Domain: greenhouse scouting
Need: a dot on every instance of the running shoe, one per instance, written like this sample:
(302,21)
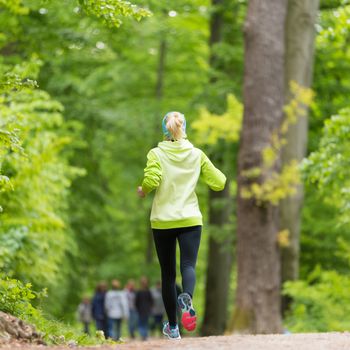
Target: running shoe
(171,333)
(188,318)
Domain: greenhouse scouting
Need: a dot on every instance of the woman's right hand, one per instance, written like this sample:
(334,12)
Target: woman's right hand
(140,192)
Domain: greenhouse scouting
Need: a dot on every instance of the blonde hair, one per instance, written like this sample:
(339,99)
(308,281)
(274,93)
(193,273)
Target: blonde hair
(174,123)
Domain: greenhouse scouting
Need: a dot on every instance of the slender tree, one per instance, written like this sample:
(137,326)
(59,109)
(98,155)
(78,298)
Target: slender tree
(299,40)
(219,266)
(258,259)
(159,92)
(220,253)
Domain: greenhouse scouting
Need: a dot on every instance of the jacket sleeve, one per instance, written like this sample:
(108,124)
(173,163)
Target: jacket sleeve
(152,173)
(213,177)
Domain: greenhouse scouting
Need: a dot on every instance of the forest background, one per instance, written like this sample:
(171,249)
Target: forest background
(82,98)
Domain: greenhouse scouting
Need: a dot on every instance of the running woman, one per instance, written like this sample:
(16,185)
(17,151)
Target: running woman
(173,169)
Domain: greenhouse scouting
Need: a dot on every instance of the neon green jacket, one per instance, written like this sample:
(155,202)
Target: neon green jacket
(173,169)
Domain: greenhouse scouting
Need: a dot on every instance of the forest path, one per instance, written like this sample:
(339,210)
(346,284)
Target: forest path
(311,341)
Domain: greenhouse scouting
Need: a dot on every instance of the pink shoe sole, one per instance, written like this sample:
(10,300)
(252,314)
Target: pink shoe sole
(189,322)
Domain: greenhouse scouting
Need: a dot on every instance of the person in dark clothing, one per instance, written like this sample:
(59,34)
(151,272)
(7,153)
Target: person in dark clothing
(98,309)
(144,304)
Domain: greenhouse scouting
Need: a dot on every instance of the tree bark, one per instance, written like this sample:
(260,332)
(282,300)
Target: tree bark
(300,37)
(161,68)
(219,265)
(220,253)
(159,92)
(258,258)
(216,23)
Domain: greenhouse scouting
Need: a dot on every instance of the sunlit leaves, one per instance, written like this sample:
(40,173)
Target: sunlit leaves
(320,304)
(11,81)
(332,67)
(329,166)
(32,140)
(297,108)
(302,99)
(283,238)
(210,127)
(273,186)
(112,11)
(277,186)
(14,6)
(16,297)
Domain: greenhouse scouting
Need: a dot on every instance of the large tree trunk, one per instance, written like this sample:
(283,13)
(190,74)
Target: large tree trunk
(220,252)
(258,289)
(300,37)
(219,265)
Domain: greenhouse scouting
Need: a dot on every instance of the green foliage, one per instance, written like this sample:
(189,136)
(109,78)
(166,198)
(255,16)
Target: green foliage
(106,80)
(113,91)
(323,213)
(111,11)
(320,304)
(59,333)
(16,297)
(210,128)
(328,167)
(332,66)
(332,4)
(11,81)
(320,233)
(14,6)
(226,57)
(109,88)
(33,156)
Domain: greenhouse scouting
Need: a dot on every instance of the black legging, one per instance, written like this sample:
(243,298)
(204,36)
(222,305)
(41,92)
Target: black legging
(165,241)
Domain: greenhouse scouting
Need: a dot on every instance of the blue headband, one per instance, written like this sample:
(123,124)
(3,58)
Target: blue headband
(166,132)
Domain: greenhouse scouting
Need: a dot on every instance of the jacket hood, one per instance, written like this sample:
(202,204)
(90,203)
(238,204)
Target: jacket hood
(176,150)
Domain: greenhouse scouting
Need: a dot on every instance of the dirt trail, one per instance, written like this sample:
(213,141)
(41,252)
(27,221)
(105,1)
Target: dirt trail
(319,341)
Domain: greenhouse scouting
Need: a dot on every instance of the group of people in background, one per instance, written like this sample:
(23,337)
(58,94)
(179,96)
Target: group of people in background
(141,308)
